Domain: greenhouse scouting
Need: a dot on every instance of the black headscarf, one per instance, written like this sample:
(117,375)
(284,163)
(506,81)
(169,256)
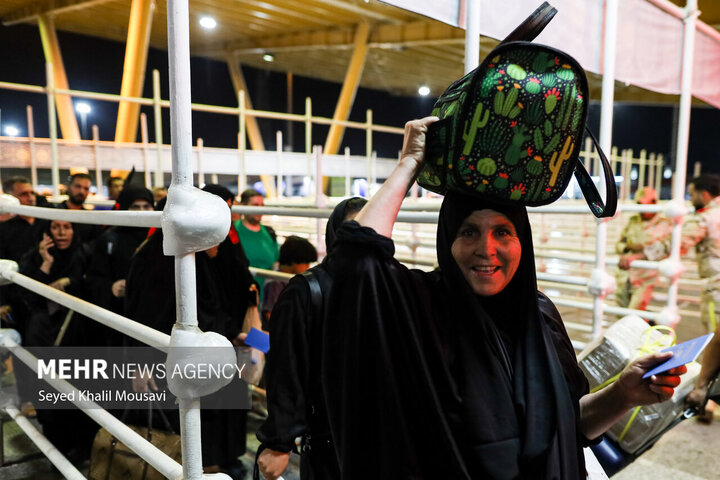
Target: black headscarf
(131,193)
(518,350)
(338,216)
(62,259)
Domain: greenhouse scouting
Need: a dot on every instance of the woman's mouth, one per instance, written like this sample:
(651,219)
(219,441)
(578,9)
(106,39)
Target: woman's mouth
(485,269)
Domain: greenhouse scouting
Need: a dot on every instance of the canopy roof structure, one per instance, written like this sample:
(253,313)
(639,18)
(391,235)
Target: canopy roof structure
(313,38)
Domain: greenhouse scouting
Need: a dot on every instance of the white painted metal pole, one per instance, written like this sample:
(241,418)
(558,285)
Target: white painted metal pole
(157,110)
(146,154)
(52,123)
(472,35)
(31,140)
(606,121)
(185,287)
(67,469)
(368,149)
(683,136)
(96,157)
(200,166)
(242,177)
(319,199)
(279,175)
(347,171)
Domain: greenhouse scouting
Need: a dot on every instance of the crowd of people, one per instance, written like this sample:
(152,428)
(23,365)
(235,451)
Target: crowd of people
(463,372)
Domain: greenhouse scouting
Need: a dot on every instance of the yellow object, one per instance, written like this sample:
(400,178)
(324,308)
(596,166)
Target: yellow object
(136,49)
(51,47)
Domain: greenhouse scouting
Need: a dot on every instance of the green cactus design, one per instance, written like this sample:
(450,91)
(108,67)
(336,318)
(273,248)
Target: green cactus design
(542,62)
(515,194)
(481,187)
(548,79)
(486,166)
(534,112)
(448,109)
(550,102)
(493,138)
(535,191)
(518,174)
(533,87)
(545,195)
(541,139)
(534,166)
(552,144)
(516,72)
(489,82)
(565,74)
(430,179)
(538,139)
(501,182)
(506,106)
(577,113)
(516,152)
(473,126)
(566,104)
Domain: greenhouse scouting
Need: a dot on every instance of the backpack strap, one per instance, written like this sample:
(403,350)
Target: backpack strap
(316,295)
(533,25)
(599,208)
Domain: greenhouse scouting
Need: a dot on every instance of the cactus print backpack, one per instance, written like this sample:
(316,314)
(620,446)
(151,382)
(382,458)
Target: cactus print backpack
(512,128)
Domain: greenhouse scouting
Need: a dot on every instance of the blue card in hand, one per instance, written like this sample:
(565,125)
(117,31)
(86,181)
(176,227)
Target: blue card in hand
(258,340)
(684,353)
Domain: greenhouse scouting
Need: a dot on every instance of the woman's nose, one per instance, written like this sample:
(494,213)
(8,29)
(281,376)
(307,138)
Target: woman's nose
(485,246)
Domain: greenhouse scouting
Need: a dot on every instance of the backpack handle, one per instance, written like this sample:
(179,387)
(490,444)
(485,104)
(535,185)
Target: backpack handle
(533,25)
(599,208)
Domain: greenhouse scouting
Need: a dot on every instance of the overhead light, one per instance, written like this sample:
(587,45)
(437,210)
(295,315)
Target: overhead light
(424,90)
(12,131)
(208,23)
(269,57)
(667,173)
(82,107)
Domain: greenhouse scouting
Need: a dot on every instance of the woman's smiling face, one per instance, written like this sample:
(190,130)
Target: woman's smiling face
(487,250)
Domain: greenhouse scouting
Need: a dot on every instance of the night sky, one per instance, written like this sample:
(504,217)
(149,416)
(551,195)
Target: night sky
(96,65)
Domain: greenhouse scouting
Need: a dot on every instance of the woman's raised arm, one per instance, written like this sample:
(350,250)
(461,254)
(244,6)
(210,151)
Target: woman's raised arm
(382,209)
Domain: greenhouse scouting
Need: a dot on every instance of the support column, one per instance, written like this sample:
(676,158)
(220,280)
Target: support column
(63,103)
(349,89)
(136,50)
(253,131)
(251,125)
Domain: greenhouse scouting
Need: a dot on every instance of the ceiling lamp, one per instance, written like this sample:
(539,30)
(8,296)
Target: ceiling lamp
(208,23)
(269,57)
(424,90)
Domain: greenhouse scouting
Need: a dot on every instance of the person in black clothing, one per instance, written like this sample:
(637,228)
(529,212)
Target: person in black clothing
(295,399)
(15,236)
(105,279)
(78,190)
(465,372)
(58,260)
(224,294)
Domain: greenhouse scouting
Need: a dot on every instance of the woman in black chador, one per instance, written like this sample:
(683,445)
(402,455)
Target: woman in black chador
(58,260)
(465,372)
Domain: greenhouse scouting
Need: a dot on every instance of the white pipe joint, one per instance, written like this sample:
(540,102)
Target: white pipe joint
(7,266)
(191,348)
(670,268)
(9,334)
(6,199)
(675,210)
(669,316)
(601,284)
(193,220)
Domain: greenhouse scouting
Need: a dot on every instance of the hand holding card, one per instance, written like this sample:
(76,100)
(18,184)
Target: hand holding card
(683,353)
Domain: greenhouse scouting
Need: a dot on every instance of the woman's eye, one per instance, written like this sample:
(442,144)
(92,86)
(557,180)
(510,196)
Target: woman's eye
(468,232)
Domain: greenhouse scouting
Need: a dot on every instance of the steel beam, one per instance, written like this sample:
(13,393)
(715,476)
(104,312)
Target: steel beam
(51,47)
(349,89)
(136,50)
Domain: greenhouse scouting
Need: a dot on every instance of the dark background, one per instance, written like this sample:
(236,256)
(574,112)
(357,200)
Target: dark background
(94,64)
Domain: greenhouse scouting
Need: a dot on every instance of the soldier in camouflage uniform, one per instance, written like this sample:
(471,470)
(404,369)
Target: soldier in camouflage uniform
(635,285)
(702,230)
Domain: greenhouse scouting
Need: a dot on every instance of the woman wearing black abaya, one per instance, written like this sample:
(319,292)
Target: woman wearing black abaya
(58,260)
(464,372)
(296,407)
